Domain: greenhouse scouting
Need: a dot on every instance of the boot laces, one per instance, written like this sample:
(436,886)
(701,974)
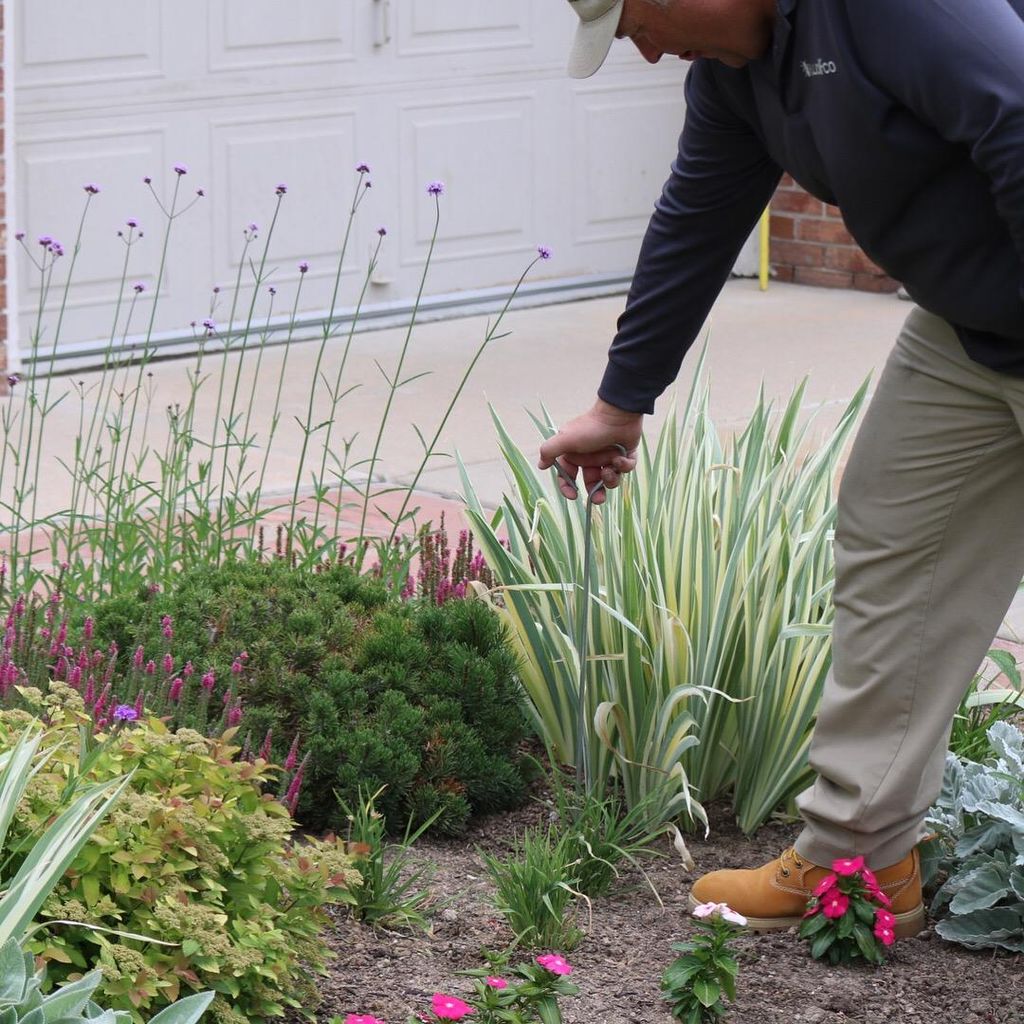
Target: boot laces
(790,856)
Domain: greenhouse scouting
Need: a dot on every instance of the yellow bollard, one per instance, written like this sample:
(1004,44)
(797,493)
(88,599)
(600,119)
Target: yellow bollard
(765,248)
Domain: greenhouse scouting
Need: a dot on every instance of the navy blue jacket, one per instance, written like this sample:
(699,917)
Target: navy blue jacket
(907,114)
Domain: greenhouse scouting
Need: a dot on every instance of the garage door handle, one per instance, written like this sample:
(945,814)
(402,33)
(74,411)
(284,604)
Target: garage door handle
(381,22)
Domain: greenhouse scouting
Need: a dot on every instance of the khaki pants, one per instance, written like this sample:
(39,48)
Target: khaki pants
(929,552)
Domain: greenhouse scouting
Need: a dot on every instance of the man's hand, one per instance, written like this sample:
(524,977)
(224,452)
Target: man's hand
(588,443)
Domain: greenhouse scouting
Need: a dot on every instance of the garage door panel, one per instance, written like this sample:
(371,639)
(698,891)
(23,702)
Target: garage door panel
(459,26)
(52,171)
(483,151)
(313,155)
(78,53)
(625,141)
(251,34)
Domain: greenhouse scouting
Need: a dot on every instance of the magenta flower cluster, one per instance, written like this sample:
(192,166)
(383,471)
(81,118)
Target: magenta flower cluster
(440,576)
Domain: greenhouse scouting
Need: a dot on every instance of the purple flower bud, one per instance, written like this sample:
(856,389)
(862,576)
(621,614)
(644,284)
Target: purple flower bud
(272,290)
(216,289)
(382,231)
(180,169)
(200,192)
(543,252)
(303,267)
(19,236)
(436,188)
(253,228)
(363,168)
(12,379)
(138,287)
(209,325)
(147,180)
(57,249)
(125,713)
(45,241)
(280,190)
(92,189)
(132,222)
(367,183)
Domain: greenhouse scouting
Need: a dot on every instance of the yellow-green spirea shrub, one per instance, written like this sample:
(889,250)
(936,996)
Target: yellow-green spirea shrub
(192,854)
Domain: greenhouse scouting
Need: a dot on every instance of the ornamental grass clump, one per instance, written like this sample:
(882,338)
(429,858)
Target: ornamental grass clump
(849,917)
(194,855)
(709,609)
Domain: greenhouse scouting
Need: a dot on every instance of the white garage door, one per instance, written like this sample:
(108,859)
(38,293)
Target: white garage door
(251,93)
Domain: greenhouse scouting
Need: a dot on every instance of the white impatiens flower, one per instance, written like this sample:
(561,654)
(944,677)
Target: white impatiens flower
(723,910)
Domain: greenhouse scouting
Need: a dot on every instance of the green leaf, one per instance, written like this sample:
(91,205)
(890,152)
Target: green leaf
(13,974)
(810,926)
(822,943)
(707,992)
(184,1011)
(70,999)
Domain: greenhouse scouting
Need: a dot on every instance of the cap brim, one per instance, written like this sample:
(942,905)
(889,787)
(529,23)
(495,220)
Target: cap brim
(593,41)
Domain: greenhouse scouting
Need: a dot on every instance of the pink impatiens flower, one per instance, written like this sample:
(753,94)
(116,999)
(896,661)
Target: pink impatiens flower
(449,1008)
(495,982)
(828,882)
(835,904)
(847,866)
(554,963)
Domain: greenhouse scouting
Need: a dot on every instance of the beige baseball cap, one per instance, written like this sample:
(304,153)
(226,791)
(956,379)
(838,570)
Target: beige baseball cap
(599,21)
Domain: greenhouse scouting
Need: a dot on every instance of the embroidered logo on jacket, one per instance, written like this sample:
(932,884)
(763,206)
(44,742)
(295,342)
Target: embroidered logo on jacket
(818,68)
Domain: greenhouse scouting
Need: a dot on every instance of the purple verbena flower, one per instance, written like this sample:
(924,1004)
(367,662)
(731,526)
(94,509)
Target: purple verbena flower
(382,231)
(19,236)
(180,169)
(92,189)
(12,379)
(57,249)
(132,222)
(363,168)
(543,252)
(45,241)
(138,287)
(125,713)
(200,192)
(281,190)
(436,188)
(209,325)
(253,228)
(147,180)
(303,267)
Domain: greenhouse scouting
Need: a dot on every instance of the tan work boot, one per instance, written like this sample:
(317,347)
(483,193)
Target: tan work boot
(774,897)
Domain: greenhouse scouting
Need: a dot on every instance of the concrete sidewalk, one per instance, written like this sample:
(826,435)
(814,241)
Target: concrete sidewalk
(553,355)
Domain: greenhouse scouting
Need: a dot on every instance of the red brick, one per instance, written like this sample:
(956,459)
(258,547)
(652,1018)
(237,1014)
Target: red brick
(797,202)
(783,274)
(782,227)
(832,213)
(822,278)
(799,254)
(834,232)
(851,259)
(874,283)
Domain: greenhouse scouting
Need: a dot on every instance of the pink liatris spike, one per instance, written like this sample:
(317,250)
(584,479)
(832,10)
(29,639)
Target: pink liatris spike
(235,715)
(175,691)
(139,657)
(293,755)
(291,797)
(265,745)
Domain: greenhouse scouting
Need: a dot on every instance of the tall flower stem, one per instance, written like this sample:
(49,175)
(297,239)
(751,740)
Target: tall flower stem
(307,427)
(395,382)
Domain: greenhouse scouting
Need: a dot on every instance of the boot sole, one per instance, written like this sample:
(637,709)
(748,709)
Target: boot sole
(908,924)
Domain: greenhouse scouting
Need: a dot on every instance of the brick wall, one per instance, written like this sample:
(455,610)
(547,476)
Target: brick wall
(3,213)
(810,245)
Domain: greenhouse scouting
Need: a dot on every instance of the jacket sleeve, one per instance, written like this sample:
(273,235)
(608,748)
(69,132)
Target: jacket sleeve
(721,180)
(959,67)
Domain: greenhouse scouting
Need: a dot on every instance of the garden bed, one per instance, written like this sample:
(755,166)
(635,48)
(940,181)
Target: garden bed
(628,944)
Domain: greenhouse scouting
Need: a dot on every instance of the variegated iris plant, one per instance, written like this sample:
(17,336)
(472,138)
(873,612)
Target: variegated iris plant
(709,613)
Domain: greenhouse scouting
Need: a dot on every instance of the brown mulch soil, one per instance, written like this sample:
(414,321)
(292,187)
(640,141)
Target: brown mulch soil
(619,963)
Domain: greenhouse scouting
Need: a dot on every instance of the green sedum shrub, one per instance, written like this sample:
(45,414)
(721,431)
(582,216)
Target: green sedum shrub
(420,699)
(194,854)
